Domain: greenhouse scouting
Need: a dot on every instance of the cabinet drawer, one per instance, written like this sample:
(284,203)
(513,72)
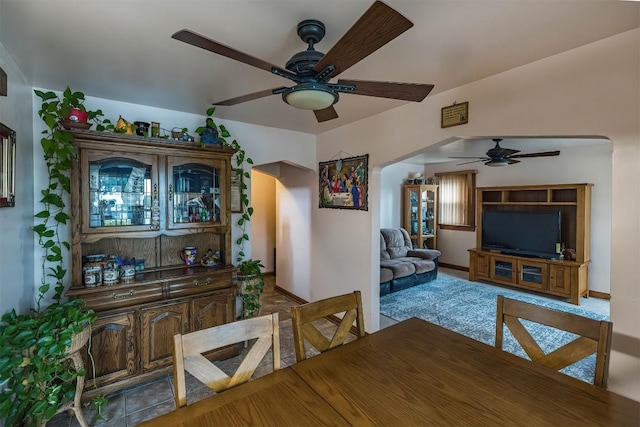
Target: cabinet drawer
(113,297)
(197,284)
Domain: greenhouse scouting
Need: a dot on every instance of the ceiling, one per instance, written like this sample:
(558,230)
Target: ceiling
(123,50)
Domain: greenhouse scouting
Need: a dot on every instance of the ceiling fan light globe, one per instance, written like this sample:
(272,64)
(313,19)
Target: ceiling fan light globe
(497,163)
(310,97)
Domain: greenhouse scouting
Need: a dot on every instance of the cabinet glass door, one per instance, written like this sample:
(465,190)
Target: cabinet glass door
(413,195)
(503,269)
(532,274)
(122,193)
(194,193)
(428,218)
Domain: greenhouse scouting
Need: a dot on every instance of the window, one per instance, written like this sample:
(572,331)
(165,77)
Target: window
(457,200)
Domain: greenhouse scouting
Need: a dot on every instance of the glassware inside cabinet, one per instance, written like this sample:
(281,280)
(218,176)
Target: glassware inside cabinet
(119,193)
(195,194)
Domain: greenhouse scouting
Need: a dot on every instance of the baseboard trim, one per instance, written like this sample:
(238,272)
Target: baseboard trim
(453,266)
(333,319)
(601,295)
(288,294)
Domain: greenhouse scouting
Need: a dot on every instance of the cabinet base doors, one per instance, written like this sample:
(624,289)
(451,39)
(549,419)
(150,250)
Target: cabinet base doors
(560,278)
(114,348)
(212,310)
(159,325)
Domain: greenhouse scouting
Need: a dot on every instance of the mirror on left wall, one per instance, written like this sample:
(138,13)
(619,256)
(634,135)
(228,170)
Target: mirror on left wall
(7,166)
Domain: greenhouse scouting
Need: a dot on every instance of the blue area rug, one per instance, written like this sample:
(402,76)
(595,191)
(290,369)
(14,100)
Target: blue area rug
(470,309)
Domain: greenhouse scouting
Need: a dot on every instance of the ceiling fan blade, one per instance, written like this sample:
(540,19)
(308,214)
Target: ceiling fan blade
(513,161)
(206,43)
(325,114)
(541,154)
(404,91)
(474,161)
(508,152)
(378,26)
(470,157)
(248,97)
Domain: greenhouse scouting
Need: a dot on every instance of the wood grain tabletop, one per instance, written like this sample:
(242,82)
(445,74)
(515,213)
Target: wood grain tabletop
(417,373)
(278,399)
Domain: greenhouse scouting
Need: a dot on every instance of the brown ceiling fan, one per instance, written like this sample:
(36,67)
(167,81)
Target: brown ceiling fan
(311,70)
(498,156)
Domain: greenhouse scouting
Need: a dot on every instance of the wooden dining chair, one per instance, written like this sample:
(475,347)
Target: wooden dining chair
(594,336)
(188,349)
(303,315)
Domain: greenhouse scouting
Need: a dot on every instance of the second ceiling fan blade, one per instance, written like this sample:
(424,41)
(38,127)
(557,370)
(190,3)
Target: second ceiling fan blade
(248,97)
(404,91)
(541,154)
(206,43)
(378,26)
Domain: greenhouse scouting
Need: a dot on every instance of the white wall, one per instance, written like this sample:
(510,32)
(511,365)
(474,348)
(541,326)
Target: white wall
(584,164)
(263,220)
(296,195)
(17,282)
(591,90)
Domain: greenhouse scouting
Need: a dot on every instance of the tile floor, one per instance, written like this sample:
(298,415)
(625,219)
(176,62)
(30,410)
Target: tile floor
(143,402)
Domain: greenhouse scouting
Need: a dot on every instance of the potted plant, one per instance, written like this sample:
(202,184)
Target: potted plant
(249,279)
(211,133)
(34,362)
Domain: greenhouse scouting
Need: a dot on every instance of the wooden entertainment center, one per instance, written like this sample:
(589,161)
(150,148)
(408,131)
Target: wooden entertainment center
(567,278)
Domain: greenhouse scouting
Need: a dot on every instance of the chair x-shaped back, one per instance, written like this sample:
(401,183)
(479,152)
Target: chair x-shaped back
(188,351)
(303,315)
(594,336)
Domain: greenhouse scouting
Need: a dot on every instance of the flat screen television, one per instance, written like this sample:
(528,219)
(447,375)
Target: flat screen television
(535,234)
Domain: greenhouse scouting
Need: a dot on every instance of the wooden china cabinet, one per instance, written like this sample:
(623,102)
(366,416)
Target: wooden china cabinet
(148,198)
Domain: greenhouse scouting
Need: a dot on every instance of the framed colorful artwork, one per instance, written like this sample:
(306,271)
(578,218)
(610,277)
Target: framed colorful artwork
(344,183)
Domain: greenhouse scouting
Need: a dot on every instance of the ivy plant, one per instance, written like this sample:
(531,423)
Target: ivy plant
(34,347)
(250,269)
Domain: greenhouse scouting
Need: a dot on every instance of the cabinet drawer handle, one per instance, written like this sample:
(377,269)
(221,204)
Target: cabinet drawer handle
(130,346)
(170,192)
(122,296)
(205,283)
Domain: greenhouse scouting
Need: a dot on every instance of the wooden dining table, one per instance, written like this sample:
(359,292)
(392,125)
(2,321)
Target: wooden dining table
(413,373)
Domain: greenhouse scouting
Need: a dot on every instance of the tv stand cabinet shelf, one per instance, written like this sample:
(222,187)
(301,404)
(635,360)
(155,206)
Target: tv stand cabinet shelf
(559,277)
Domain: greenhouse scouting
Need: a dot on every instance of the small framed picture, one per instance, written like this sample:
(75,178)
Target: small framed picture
(236,190)
(454,115)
